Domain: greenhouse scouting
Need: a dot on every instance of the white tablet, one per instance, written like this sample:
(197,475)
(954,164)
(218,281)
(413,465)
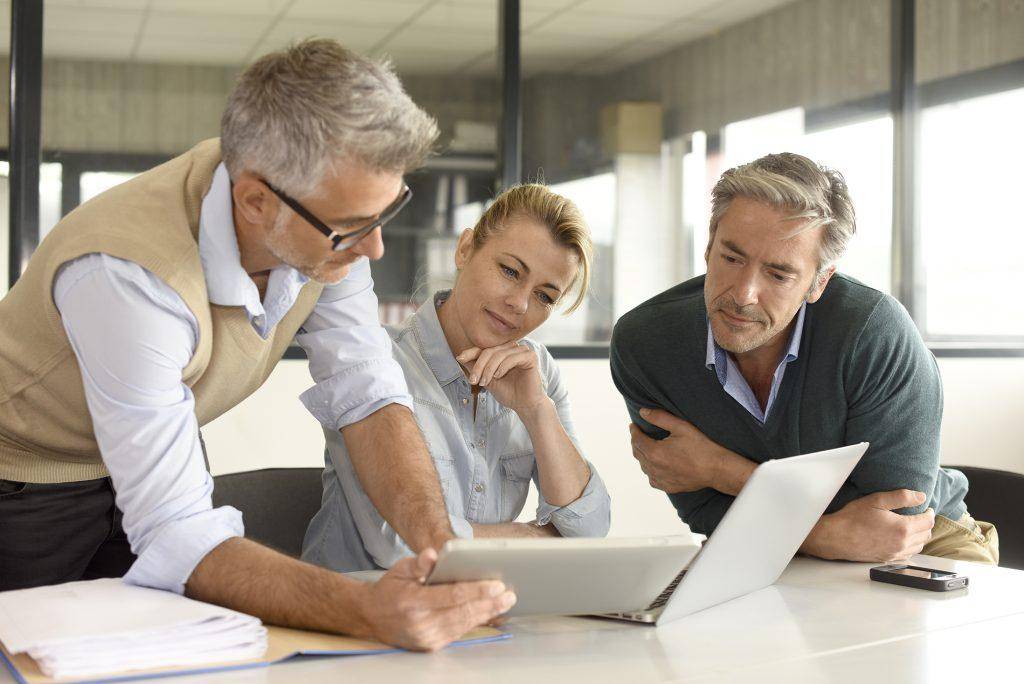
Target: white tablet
(570,576)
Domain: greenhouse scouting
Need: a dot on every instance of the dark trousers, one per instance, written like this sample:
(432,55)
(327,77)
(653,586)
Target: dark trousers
(53,533)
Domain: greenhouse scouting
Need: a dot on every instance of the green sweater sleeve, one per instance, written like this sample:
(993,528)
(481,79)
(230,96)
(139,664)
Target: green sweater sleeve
(894,401)
(700,510)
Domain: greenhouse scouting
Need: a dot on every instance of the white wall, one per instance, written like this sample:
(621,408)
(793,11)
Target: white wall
(984,408)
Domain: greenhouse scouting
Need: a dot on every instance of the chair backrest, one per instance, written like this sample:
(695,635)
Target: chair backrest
(997,496)
(277,503)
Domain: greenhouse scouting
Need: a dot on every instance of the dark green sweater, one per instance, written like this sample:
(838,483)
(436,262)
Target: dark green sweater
(863,375)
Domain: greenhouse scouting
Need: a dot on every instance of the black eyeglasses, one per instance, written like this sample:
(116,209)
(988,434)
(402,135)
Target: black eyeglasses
(343,241)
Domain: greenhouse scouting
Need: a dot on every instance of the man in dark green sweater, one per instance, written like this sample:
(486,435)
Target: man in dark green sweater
(773,354)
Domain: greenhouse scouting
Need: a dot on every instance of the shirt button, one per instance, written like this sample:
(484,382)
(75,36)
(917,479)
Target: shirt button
(465,401)
(481,444)
(478,488)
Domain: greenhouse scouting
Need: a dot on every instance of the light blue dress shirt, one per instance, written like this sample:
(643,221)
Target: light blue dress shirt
(485,463)
(133,335)
(736,385)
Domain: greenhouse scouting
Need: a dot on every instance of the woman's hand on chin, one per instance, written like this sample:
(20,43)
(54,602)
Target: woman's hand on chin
(509,372)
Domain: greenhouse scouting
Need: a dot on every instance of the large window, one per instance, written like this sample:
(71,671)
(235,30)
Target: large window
(972,229)
(592,322)
(49,208)
(861,149)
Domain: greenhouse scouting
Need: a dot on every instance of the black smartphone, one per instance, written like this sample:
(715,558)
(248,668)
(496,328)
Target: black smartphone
(919,578)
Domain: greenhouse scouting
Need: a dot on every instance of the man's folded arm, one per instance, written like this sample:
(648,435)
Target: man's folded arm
(894,400)
(703,509)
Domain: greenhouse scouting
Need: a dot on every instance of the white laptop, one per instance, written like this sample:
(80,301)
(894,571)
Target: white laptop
(759,534)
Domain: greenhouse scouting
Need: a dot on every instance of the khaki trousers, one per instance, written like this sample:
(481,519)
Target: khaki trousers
(965,539)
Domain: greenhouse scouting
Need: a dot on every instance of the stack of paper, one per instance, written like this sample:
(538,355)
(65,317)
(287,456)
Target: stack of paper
(104,626)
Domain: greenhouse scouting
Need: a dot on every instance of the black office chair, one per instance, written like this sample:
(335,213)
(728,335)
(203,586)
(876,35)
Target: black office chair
(997,496)
(277,503)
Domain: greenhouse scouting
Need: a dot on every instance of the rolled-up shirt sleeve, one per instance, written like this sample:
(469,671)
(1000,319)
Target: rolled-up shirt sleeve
(349,354)
(590,514)
(131,352)
(587,516)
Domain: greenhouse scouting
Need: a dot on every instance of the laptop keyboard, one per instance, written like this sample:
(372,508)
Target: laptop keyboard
(664,596)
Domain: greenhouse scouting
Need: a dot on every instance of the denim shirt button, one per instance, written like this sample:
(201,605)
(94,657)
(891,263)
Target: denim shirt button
(465,401)
(478,488)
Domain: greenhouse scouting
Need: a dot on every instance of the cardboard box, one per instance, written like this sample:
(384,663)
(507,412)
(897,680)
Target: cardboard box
(631,127)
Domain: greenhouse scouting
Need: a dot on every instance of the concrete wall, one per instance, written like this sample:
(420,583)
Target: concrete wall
(810,53)
(166,108)
(958,36)
(560,125)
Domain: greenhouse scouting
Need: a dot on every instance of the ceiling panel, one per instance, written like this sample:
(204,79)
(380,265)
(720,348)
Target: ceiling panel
(458,15)
(214,28)
(249,8)
(665,9)
(90,20)
(536,12)
(70,45)
(731,12)
(681,32)
(602,28)
(351,35)
(430,39)
(181,51)
(390,12)
(132,5)
(439,36)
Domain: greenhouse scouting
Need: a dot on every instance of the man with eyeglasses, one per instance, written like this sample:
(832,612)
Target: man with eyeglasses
(164,302)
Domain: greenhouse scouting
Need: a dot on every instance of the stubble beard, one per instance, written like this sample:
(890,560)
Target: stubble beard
(279,245)
(739,343)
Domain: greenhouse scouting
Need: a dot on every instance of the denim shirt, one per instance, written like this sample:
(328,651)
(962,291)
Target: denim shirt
(484,464)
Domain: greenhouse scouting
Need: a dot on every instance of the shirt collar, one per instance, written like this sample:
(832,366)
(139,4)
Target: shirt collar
(433,345)
(715,356)
(227,283)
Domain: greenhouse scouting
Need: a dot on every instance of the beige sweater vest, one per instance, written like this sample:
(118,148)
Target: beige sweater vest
(46,432)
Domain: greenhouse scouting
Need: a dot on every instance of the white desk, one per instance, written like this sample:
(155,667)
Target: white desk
(823,621)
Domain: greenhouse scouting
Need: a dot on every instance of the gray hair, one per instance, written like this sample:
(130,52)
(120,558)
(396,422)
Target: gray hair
(294,114)
(795,183)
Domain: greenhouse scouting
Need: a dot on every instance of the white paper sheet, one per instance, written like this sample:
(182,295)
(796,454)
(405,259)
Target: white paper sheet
(101,626)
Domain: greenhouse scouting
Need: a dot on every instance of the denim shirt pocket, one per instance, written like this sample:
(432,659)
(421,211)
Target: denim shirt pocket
(445,468)
(433,421)
(516,471)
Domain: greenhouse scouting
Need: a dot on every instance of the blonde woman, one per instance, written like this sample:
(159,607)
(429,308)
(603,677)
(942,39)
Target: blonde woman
(490,401)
